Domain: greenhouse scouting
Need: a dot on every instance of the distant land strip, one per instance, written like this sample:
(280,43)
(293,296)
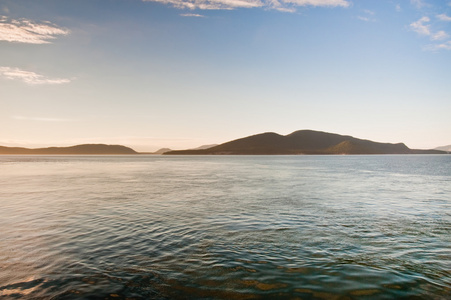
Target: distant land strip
(85,149)
(301,142)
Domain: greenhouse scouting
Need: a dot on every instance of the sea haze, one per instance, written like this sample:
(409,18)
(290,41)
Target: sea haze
(225,227)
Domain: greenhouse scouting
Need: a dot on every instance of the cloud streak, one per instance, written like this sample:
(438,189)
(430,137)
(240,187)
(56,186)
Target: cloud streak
(444,17)
(440,35)
(369,16)
(193,15)
(443,46)
(281,5)
(417,3)
(29,77)
(27,31)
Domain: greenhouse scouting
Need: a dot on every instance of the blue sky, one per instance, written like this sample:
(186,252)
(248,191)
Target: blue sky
(180,74)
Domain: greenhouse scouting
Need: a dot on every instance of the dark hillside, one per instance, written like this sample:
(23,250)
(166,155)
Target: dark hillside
(86,149)
(303,142)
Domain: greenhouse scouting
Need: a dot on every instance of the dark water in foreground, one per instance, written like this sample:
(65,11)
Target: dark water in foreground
(231,227)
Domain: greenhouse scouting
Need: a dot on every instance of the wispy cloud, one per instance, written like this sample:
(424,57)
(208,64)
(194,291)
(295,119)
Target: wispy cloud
(330,3)
(421,27)
(398,7)
(363,19)
(440,35)
(281,5)
(369,16)
(27,31)
(193,15)
(444,17)
(40,119)
(29,77)
(210,4)
(443,46)
(417,3)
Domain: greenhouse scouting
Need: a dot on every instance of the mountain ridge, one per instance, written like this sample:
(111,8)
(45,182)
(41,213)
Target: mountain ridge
(267,143)
(303,142)
(83,149)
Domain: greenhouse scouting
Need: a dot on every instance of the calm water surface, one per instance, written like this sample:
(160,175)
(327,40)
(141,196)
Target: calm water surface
(225,227)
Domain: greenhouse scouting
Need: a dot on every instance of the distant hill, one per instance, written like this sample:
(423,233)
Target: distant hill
(204,147)
(162,150)
(444,148)
(86,149)
(304,142)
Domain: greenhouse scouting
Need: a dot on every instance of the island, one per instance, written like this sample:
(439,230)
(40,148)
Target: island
(303,142)
(85,149)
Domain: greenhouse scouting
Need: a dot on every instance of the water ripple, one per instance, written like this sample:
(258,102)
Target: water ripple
(367,227)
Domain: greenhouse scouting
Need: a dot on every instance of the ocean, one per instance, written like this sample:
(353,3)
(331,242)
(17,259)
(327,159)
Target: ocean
(225,227)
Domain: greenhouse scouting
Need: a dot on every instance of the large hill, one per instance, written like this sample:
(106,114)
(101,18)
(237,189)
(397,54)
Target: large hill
(86,149)
(304,142)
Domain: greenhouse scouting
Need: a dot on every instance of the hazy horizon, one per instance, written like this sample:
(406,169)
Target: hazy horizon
(146,147)
(179,74)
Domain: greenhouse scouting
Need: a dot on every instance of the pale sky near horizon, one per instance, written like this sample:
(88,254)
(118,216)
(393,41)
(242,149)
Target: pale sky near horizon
(184,73)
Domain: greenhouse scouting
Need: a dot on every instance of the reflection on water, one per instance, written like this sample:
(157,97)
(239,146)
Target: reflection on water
(240,227)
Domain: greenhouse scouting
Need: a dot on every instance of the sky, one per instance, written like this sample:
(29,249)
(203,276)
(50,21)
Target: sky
(179,74)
